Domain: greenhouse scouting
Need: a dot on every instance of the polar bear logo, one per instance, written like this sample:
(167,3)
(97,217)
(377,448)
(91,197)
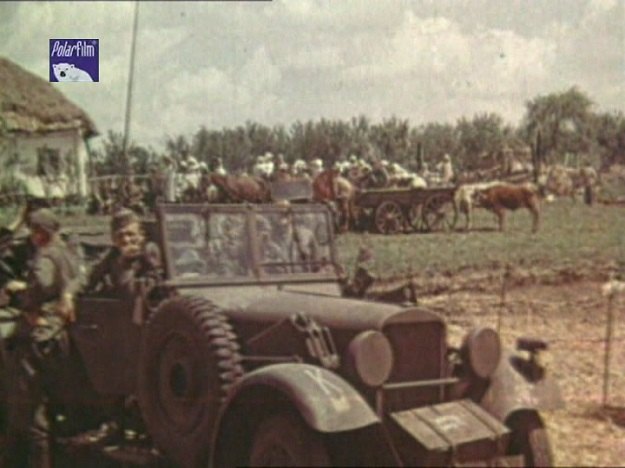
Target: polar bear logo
(69,72)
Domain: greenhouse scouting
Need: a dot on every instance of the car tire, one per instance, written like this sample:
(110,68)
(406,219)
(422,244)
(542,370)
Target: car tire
(189,359)
(285,440)
(529,438)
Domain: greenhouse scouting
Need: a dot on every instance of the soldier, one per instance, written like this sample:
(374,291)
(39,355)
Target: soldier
(378,177)
(46,302)
(296,241)
(15,255)
(130,257)
(217,166)
(447,170)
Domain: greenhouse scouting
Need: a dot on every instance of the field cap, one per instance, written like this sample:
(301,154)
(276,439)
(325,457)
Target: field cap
(44,219)
(123,218)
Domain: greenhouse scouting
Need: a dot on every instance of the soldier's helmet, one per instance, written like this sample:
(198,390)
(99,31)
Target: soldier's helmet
(44,219)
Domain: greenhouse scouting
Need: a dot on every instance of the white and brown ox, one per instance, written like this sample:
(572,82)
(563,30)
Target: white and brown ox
(562,181)
(464,199)
(502,197)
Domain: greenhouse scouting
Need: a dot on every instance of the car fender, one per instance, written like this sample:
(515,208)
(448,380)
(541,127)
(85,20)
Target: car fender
(510,391)
(324,400)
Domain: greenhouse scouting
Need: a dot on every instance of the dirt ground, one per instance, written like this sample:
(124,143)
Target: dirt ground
(572,317)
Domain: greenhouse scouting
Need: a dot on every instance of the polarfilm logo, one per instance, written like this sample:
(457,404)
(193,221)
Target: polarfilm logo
(74,60)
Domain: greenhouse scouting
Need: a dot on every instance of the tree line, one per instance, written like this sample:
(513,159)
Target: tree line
(570,129)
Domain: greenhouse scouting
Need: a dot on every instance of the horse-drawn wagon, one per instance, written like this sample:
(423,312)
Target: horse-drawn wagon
(395,210)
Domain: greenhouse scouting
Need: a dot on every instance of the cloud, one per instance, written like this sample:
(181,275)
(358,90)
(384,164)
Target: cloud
(435,64)
(220,64)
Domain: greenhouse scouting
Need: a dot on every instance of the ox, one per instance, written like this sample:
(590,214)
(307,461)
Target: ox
(565,181)
(464,198)
(330,187)
(241,189)
(501,197)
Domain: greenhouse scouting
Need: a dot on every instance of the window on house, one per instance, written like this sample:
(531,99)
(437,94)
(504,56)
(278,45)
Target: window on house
(49,162)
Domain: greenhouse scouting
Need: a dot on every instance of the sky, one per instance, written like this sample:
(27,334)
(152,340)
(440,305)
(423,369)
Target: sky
(220,64)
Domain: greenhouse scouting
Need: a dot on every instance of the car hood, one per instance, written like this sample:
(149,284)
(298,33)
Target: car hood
(269,305)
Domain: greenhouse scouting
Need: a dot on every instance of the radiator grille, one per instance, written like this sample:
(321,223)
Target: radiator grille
(419,354)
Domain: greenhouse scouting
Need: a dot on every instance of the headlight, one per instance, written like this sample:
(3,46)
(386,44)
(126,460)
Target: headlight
(481,350)
(370,358)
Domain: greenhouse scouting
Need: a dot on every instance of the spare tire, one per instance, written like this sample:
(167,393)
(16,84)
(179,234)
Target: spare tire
(189,358)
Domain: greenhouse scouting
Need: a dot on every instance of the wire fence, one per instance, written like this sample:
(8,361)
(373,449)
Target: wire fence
(585,331)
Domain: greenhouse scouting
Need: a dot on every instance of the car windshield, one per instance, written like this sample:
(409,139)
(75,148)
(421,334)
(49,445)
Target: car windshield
(237,243)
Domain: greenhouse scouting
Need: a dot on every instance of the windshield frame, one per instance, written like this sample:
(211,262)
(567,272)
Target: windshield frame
(257,273)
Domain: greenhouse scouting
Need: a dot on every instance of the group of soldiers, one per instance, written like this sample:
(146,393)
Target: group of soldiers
(188,180)
(42,274)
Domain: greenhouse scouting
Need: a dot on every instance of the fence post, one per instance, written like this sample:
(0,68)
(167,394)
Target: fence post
(502,295)
(608,349)
(610,290)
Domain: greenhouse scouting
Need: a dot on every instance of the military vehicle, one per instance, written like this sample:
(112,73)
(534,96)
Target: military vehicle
(242,351)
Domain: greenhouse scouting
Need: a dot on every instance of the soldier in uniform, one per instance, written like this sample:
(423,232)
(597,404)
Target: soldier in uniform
(16,254)
(130,257)
(46,302)
(378,177)
(447,170)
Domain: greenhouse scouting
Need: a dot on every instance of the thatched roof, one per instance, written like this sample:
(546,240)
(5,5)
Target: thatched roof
(30,104)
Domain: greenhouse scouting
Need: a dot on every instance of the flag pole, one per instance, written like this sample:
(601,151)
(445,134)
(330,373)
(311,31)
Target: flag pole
(133,47)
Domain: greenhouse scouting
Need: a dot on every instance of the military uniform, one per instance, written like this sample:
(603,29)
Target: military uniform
(116,274)
(37,347)
(130,258)
(15,260)
(378,178)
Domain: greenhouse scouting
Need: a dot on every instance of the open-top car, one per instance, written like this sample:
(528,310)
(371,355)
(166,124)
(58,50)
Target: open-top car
(242,351)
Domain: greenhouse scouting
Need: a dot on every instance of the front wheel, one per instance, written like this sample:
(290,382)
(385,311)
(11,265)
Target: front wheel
(529,438)
(284,440)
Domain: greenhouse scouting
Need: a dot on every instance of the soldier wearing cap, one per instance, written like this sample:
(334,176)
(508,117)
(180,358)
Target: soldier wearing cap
(130,257)
(46,302)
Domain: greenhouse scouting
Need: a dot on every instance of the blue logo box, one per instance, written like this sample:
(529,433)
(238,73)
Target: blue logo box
(74,60)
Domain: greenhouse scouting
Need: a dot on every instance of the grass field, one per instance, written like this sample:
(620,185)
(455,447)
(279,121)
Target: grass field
(569,315)
(571,235)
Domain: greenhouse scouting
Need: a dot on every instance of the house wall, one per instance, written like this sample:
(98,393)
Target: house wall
(68,179)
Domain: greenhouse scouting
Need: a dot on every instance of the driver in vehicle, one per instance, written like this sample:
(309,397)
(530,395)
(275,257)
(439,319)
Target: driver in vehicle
(129,259)
(297,241)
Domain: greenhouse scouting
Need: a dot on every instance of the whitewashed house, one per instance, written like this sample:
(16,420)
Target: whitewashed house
(43,137)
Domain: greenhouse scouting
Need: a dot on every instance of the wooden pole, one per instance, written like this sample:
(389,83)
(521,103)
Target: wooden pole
(502,296)
(608,349)
(538,157)
(129,90)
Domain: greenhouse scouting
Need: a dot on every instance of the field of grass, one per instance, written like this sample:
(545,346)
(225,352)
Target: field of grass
(571,235)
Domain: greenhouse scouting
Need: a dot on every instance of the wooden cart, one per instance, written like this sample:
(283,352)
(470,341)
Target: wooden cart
(396,210)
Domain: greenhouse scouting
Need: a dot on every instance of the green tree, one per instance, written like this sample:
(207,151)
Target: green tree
(610,135)
(437,139)
(391,138)
(565,120)
(484,133)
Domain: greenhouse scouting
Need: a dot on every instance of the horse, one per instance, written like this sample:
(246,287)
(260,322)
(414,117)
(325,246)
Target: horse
(330,187)
(240,189)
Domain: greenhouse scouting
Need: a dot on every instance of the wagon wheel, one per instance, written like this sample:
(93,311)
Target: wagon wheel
(415,218)
(439,213)
(389,218)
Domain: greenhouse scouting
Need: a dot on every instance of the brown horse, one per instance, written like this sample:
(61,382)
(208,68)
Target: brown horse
(240,189)
(330,187)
